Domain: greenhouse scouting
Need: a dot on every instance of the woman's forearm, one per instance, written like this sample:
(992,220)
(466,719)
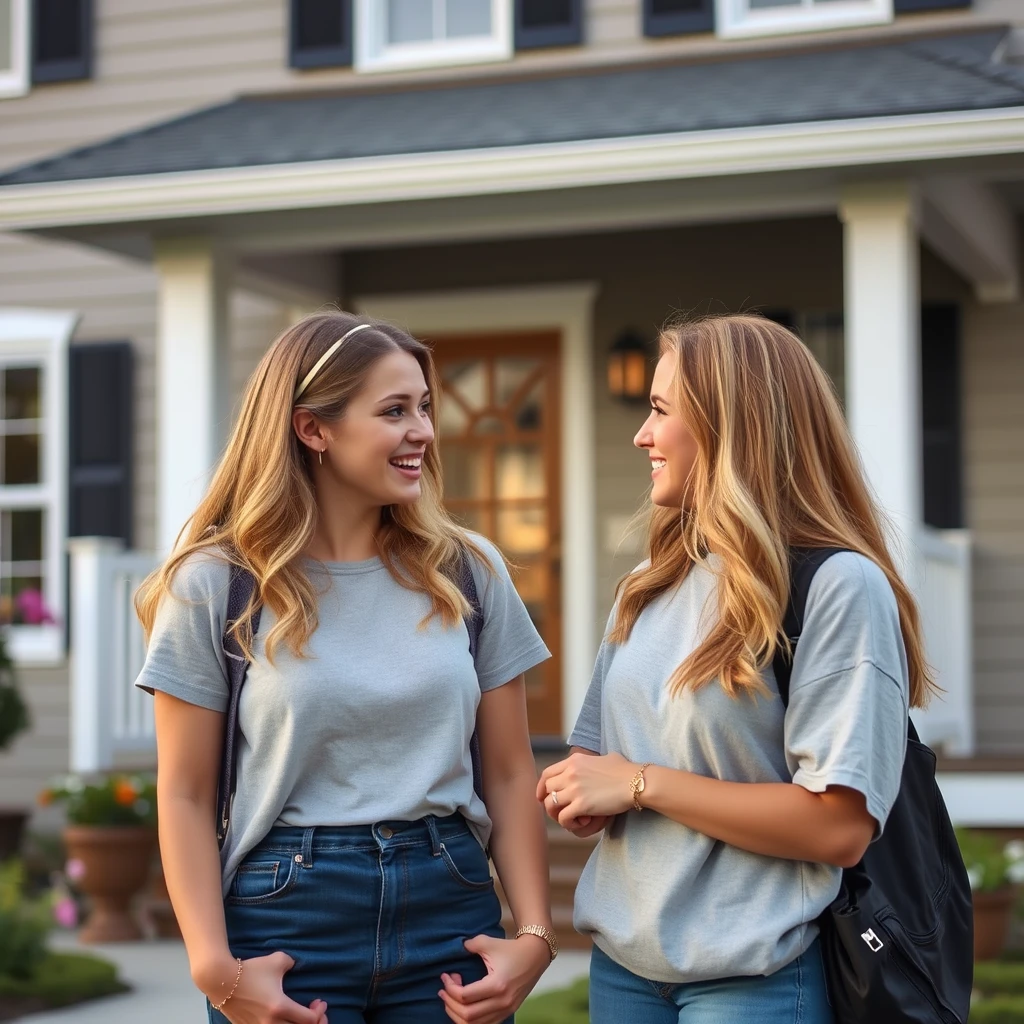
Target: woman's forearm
(191,865)
(519,847)
(777,819)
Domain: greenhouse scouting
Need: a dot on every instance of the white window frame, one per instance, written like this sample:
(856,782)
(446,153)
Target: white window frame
(15,81)
(31,338)
(373,53)
(734,19)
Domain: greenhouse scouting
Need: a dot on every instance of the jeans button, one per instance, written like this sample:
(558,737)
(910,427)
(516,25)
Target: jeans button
(385,832)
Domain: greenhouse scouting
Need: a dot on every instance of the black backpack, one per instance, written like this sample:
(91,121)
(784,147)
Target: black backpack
(240,591)
(898,940)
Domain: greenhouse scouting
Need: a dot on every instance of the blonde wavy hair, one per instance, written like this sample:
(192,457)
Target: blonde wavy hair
(775,469)
(261,510)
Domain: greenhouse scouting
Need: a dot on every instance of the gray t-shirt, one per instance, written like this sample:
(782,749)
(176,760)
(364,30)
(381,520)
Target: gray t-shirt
(673,905)
(375,724)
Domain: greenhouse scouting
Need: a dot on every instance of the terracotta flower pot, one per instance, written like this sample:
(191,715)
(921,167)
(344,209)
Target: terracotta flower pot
(992,914)
(116,862)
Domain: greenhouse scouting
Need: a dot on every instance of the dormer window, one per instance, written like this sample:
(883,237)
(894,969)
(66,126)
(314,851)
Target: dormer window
(14,47)
(736,18)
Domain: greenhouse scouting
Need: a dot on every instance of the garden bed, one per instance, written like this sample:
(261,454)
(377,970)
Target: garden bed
(61,979)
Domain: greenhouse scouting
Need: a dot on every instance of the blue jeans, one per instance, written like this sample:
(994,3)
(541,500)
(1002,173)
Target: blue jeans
(372,915)
(795,994)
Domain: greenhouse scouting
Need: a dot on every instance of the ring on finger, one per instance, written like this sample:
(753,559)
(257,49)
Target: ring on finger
(554,797)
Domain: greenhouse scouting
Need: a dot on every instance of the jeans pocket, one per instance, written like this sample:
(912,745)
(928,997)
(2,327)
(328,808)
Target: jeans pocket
(466,861)
(262,880)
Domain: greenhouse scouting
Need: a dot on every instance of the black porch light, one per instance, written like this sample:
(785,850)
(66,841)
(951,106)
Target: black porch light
(627,368)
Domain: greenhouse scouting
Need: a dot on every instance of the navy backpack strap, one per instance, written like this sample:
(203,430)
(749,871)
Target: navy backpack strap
(474,623)
(240,592)
(803,564)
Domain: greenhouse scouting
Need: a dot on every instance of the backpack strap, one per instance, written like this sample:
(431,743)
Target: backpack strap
(474,624)
(803,564)
(240,592)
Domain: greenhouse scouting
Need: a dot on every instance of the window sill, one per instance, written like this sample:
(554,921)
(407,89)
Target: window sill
(780,23)
(36,646)
(408,58)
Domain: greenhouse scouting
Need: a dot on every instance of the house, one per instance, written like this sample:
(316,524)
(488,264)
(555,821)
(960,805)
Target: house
(534,185)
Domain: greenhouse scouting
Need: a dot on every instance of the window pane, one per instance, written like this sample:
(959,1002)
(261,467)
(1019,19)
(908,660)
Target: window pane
(522,531)
(22,536)
(520,471)
(467,18)
(509,376)
(469,379)
(465,472)
(410,21)
(21,394)
(21,459)
(453,419)
(529,415)
(12,586)
(6,42)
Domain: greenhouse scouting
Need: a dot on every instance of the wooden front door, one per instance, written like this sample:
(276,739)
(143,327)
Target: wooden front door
(499,433)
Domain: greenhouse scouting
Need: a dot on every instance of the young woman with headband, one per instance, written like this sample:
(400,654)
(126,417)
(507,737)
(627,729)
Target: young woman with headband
(727,817)
(353,880)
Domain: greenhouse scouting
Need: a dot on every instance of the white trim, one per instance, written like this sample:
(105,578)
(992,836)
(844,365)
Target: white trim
(568,309)
(680,155)
(15,81)
(41,338)
(734,19)
(983,799)
(374,53)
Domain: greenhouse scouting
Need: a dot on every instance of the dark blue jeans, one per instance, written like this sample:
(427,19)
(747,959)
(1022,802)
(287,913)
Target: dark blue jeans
(372,915)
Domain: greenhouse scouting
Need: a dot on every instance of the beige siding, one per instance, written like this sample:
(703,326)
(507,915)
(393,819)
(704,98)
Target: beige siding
(994,457)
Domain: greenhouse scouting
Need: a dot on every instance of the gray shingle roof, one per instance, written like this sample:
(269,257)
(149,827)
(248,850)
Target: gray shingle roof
(909,76)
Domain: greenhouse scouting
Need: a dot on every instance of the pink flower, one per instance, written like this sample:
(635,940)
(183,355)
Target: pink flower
(75,869)
(33,608)
(65,912)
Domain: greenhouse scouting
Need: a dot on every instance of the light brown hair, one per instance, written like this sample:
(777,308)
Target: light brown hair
(775,469)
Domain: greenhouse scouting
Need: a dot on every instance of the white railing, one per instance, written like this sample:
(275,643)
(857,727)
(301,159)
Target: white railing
(109,716)
(945,602)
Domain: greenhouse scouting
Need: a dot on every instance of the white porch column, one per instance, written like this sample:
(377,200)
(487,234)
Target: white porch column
(192,380)
(883,375)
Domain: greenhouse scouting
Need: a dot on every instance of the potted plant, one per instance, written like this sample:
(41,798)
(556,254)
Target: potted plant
(995,869)
(28,608)
(110,839)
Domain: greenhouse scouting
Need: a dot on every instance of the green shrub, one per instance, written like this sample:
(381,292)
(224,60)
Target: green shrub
(999,977)
(564,1006)
(24,924)
(999,1010)
(63,978)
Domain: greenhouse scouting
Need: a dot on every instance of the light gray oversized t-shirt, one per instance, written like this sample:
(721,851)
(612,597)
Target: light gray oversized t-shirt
(673,905)
(374,725)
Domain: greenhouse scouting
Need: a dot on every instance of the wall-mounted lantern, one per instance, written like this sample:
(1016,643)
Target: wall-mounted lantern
(628,361)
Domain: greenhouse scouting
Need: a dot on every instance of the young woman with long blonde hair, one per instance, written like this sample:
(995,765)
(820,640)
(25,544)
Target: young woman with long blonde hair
(727,817)
(353,879)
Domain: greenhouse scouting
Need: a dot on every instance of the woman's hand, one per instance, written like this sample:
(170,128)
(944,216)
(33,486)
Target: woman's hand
(584,787)
(513,968)
(259,997)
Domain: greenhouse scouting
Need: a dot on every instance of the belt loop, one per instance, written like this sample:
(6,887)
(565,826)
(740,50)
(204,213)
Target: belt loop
(435,838)
(307,847)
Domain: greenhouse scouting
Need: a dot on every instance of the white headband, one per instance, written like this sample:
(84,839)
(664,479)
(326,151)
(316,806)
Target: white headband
(319,364)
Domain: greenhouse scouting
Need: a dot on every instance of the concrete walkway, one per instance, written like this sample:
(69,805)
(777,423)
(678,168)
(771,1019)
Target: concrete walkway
(162,991)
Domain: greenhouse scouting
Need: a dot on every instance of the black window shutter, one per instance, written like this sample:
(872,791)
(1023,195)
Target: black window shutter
(61,40)
(548,23)
(940,414)
(677,17)
(904,6)
(100,449)
(320,33)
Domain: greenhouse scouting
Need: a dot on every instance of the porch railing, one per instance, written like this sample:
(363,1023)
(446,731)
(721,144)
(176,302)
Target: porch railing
(945,603)
(110,718)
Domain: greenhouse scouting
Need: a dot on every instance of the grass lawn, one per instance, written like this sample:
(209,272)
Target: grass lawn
(60,980)
(999,984)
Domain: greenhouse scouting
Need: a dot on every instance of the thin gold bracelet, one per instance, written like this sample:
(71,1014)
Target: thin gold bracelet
(238,975)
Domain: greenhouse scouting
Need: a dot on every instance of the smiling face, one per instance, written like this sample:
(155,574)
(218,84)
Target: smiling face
(667,440)
(374,452)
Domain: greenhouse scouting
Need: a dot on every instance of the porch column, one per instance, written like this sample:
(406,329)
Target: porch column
(191,376)
(883,375)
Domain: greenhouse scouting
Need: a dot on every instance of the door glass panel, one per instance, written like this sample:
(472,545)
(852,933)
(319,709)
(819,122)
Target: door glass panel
(21,394)
(519,471)
(489,425)
(465,472)
(410,21)
(21,459)
(23,536)
(467,18)
(530,414)
(509,377)
(471,518)
(453,419)
(12,586)
(522,531)
(469,378)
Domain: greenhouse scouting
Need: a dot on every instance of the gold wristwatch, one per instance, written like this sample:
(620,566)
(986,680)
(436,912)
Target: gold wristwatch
(541,932)
(637,783)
